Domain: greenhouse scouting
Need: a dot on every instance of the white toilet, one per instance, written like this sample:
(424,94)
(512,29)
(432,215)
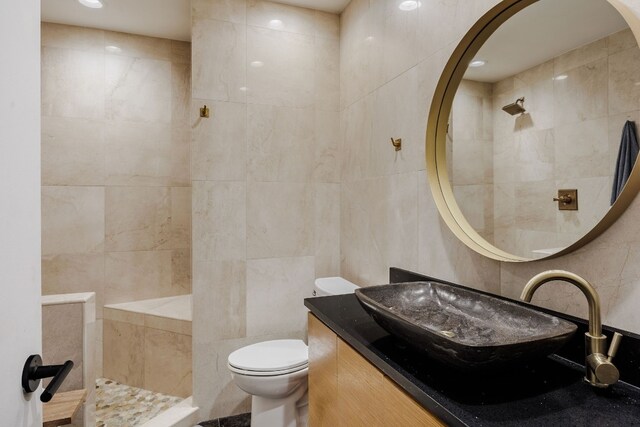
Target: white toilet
(275,372)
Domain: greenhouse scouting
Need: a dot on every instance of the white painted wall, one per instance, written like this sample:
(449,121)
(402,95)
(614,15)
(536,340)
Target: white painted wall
(20,328)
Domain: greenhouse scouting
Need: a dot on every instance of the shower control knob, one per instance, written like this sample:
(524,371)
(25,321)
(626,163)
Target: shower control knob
(564,199)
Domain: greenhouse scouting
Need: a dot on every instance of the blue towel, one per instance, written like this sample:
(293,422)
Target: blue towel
(626,159)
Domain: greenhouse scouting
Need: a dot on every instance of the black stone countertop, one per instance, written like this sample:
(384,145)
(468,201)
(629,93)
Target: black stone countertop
(547,392)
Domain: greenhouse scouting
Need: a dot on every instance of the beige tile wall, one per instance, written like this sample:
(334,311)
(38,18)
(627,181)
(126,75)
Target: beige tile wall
(116,196)
(390,64)
(374,213)
(470,149)
(266,180)
(148,351)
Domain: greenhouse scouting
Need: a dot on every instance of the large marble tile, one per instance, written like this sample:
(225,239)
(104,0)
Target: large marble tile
(72,220)
(137,218)
(328,150)
(73,151)
(180,52)
(399,32)
(70,87)
(536,210)
(137,46)
(219,220)
(327,236)
(181,94)
(395,106)
(280,17)
(583,95)
(361,251)
(180,218)
(167,362)
(219,298)
(147,154)
(132,276)
(280,143)
(327,25)
(219,60)
(181,275)
(431,34)
(624,76)
(280,220)
(137,89)
(538,156)
(356,124)
(327,74)
(223,10)
(360,44)
(581,56)
(72,37)
(124,352)
(275,283)
(219,143)
(285,76)
(379,227)
(585,146)
(621,40)
(74,273)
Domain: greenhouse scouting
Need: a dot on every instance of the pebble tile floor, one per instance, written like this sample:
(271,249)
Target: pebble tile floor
(119,405)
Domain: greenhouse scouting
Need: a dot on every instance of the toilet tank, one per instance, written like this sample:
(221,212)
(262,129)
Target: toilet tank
(325,286)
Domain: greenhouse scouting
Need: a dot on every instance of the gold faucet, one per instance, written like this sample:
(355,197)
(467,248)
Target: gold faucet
(600,372)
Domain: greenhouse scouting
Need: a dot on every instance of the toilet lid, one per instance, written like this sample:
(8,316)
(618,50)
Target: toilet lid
(270,356)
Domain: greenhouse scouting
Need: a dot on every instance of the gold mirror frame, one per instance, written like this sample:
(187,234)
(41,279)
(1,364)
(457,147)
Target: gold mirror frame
(441,106)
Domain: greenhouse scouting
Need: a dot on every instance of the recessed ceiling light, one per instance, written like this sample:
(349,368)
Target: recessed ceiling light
(257,64)
(368,39)
(243,89)
(276,23)
(561,77)
(477,63)
(93,4)
(409,5)
(112,49)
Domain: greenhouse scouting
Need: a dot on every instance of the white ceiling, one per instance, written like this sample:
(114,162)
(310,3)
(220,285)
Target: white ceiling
(170,19)
(543,31)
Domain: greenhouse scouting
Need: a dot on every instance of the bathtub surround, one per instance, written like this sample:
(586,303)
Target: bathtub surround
(266,180)
(147,344)
(388,214)
(116,196)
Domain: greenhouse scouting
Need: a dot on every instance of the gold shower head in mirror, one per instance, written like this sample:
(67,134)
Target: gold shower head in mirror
(515,108)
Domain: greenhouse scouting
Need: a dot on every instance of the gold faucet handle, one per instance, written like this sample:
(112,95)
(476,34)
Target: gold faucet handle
(605,372)
(564,199)
(615,343)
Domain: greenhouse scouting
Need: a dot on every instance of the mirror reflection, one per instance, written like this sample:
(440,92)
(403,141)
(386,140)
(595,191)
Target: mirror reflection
(540,115)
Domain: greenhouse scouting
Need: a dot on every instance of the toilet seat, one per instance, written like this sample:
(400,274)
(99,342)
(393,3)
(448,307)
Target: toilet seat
(270,358)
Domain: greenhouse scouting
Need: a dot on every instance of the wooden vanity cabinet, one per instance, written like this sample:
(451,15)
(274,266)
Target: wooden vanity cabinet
(347,390)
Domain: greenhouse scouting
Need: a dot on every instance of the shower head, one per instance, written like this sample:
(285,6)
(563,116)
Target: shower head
(515,108)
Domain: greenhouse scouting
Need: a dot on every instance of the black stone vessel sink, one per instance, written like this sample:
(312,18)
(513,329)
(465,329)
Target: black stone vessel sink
(463,328)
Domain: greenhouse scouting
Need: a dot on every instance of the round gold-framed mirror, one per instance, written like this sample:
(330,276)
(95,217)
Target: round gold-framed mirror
(460,218)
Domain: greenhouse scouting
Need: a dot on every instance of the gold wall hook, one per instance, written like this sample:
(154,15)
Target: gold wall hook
(204,112)
(397,143)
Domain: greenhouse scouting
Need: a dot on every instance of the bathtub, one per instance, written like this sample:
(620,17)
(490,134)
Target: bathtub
(147,344)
